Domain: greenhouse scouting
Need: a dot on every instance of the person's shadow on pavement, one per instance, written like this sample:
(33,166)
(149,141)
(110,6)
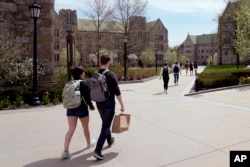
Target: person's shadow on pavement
(85,160)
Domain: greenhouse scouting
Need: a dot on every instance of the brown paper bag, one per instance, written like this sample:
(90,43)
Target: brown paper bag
(121,123)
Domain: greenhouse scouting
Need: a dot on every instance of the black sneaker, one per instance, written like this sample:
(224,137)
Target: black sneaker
(98,156)
(112,141)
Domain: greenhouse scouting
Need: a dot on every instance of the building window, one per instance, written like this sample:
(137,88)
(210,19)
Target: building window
(56,32)
(226,51)
(57,57)
(57,45)
(159,37)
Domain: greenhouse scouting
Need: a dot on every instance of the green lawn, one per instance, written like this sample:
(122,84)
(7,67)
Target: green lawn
(223,68)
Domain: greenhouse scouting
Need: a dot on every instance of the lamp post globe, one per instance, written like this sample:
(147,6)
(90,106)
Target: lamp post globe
(35,12)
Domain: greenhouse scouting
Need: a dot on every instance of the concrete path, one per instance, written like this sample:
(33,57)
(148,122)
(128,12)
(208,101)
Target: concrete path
(167,130)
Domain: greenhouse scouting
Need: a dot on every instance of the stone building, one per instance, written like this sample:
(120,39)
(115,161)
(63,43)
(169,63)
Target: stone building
(15,17)
(226,34)
(52,30)
(199,47)
(141,36)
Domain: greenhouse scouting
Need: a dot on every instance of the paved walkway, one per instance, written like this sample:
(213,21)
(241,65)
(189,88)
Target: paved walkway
(167,130)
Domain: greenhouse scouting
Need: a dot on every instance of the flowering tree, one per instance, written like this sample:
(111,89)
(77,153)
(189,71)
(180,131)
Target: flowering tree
(14,68)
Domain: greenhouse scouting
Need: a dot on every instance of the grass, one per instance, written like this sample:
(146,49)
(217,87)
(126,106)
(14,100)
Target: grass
(222,68)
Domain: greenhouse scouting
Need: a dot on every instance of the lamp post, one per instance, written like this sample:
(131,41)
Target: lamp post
(125,40)
(156,60)
(35,12)
(70,51)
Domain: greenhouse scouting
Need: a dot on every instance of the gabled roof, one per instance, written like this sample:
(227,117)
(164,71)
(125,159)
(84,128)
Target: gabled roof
(151,24)
(203,39)
(193,38)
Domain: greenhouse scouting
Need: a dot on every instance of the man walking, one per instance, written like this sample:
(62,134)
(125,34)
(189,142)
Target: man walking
(176,71)
(107,108)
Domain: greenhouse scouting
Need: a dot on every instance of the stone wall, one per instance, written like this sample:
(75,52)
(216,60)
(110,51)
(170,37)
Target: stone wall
(15,17)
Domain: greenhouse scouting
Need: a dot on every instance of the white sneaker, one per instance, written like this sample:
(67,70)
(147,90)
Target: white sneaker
(92,143)
(65,154)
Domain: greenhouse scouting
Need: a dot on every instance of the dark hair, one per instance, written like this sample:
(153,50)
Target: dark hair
(76,71)
(165,64)
(104,59)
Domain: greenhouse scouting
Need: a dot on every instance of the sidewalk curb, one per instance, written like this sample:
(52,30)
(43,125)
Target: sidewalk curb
(137,81)
(217,89)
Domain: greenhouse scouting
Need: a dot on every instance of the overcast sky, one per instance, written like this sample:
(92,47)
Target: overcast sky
(180,17)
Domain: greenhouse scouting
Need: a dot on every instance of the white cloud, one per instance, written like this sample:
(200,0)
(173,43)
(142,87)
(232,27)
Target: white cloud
(188,5)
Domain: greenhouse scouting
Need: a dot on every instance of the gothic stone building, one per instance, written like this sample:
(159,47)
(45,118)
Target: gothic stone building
(52,31)
(141,36)
(199,47)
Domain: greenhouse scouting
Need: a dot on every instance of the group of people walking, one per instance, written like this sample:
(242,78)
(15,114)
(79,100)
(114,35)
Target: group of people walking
(176,69)
(165,75)
(191,67)
(106,110)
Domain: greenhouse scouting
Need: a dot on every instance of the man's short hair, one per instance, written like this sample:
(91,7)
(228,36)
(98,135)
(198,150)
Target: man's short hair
(105,59)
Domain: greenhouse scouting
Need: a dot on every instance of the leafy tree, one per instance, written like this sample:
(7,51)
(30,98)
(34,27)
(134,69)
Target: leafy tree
(147,57)
(170,57)
(242,42)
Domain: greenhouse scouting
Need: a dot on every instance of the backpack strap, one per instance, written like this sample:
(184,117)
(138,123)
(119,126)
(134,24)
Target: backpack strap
(104,72)
(78,84)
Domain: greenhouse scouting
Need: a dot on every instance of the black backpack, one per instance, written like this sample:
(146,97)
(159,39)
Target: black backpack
(176,69)
(165,71)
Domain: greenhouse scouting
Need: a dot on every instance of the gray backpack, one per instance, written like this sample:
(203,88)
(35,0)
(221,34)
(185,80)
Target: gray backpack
(71,96)
(98,87)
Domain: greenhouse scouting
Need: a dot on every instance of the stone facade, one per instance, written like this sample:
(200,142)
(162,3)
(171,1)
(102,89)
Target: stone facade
(199,47)
(226,35)
(52,31)
(15,17)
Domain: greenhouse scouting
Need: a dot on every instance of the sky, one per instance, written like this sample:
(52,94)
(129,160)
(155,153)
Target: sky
(180,17)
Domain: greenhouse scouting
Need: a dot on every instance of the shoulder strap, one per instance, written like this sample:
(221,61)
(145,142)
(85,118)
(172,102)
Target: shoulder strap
(105,71)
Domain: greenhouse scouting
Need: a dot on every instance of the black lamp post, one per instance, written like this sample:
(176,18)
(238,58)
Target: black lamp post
(156,60)
(125,40)
(70,51)
(35,11)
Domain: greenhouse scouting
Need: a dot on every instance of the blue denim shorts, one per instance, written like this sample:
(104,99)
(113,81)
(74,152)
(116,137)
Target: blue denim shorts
(78,112)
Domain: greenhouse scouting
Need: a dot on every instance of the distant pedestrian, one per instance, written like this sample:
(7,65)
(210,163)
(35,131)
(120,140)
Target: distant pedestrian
(176,71)
(191,68)
(80,113)
(195,67)
(186,67)
(165,75)
(107,108)
(180,66)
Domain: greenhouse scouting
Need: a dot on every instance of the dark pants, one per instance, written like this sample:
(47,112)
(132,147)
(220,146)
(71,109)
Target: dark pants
(165,82)
(176,78)
(107,111)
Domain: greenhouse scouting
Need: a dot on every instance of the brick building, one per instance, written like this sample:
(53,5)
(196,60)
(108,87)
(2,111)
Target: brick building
(52,30)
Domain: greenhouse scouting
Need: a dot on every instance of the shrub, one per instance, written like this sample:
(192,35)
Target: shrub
(46,98)
(19,100)
(216,79)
